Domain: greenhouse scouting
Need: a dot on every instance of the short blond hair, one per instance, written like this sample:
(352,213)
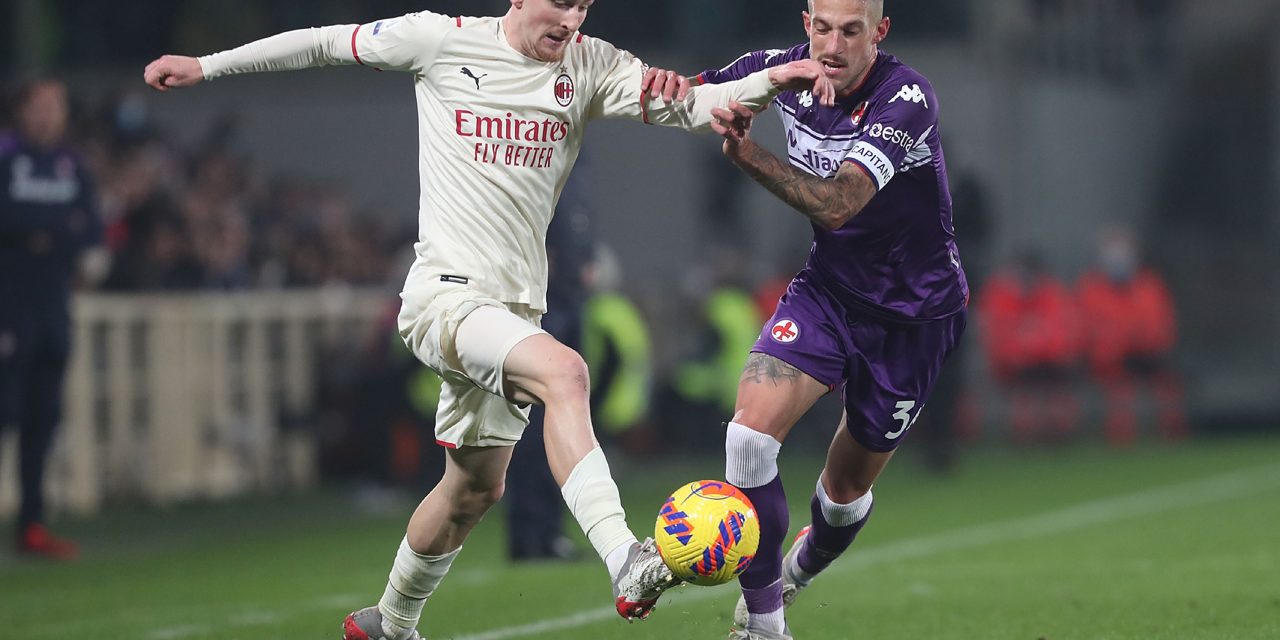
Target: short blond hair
(876,8)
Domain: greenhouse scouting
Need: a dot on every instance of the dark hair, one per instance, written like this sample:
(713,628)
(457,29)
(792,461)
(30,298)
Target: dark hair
(23,92)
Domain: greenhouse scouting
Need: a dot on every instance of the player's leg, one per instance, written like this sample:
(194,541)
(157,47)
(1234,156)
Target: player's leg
(883,398)
(43,373)
(840,507)
(797,359)
(541,369)
(478,427)
(472,483)
(11,395)
(772,396)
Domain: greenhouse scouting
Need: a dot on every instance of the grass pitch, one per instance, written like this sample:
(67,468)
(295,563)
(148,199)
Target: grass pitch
(1176,542)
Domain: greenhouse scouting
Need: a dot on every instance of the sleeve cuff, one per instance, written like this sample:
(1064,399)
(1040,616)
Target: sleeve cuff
(207,68)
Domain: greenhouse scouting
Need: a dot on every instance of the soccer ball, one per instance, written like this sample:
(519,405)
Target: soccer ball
(707,532)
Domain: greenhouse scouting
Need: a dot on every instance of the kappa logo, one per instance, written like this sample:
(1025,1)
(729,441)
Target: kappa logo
(911,94)
(785,331)
(468,73)
(805,98)
(770,54)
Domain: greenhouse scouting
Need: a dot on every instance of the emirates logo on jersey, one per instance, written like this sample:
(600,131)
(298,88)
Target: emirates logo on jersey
(564,90)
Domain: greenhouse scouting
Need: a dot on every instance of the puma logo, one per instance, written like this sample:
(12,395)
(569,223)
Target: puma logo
(467,72)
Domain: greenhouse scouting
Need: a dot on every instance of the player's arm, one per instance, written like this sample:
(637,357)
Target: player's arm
(619,94)
(298,49)
(829,203)
(669,85)
(755,92)
(407,43)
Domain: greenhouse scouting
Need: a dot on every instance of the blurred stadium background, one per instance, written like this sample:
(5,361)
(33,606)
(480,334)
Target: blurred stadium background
(240,420)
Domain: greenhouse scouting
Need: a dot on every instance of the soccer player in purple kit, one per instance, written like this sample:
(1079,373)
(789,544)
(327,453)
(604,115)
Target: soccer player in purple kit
(877,308)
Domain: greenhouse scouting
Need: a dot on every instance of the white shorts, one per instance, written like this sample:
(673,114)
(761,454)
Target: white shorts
(465,335)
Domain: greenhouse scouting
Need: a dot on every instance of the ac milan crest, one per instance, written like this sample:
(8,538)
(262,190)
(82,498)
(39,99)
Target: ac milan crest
(564,90)
(785,331)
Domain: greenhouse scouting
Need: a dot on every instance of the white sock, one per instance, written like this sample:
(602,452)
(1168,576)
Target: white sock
(414,577)
(842,515)
(615,559)
(837,515)
(750,457)
(773,621)
(593,500)
(791,570)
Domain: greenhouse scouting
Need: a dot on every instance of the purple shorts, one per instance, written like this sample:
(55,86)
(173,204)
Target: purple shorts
(888,368)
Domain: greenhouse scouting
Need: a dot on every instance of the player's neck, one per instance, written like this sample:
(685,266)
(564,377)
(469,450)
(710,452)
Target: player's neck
(861,79)
(511,33)
(515,37)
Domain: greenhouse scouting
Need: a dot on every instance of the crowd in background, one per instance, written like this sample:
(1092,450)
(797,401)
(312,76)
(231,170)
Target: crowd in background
(204,217)
(1114,327)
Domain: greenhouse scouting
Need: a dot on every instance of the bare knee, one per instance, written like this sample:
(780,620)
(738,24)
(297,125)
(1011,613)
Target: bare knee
(566,379)
(470,502)
(844,491)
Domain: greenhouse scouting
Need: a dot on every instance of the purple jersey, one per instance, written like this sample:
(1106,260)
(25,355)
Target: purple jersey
(897,258)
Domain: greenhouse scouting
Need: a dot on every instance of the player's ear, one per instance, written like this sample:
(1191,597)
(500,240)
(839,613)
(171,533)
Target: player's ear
(808,23)
(882,31)
(517,4)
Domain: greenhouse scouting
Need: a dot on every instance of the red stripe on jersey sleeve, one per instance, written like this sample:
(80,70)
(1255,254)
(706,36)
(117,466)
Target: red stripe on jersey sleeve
(355,54)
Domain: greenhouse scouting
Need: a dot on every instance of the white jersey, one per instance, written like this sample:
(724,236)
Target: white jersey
(498,133)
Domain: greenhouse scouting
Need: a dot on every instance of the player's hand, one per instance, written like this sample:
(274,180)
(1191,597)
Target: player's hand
(169,72)
(734,125)
(805,74)
(666,84)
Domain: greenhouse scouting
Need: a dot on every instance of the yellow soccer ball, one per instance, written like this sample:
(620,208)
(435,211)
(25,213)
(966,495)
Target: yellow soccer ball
(707,532)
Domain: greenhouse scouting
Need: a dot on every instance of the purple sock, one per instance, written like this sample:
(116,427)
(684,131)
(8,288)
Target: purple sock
(770,502)
(826,542)
(764,599)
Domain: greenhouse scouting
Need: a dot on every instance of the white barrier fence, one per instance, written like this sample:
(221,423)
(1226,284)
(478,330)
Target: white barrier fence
(176,397)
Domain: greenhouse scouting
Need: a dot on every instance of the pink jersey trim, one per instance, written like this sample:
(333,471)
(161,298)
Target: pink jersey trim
(355,54)
(459,22)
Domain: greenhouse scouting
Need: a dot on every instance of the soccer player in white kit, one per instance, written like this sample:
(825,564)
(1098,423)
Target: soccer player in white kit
(502,104)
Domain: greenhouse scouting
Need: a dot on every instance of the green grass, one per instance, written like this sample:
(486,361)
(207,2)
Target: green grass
(1157,542)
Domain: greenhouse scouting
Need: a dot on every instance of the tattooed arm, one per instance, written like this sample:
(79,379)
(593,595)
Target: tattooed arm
(827,203)
(762,368)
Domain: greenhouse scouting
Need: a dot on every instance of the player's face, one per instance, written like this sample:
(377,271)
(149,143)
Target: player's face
(843,36)
(42,117)
(545,26)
